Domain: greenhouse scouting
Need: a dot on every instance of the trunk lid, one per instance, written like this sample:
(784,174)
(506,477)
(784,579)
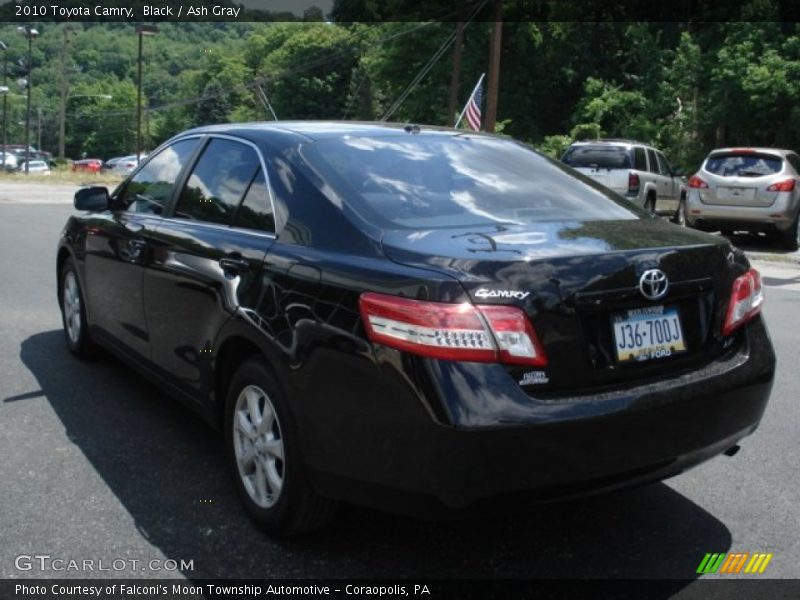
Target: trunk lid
(573,279)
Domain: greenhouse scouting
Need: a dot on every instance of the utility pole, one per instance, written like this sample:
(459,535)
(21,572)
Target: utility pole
(62,109)
(452,100)
(39,128)
(494,66)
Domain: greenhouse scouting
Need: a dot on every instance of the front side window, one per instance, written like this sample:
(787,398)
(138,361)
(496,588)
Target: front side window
(151,188)
(218,182)
(663,165)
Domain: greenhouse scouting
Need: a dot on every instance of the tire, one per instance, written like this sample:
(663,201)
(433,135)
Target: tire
(267,464)
(73,312)
(679,218)
(791,239)
(650,204)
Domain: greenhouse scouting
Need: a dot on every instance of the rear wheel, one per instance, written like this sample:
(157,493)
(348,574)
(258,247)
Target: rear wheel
(791,239)
(680,214)
(650,203)
(73,313)
(265,458)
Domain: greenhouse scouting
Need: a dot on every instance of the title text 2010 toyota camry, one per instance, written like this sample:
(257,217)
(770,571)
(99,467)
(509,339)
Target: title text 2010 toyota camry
(413,318)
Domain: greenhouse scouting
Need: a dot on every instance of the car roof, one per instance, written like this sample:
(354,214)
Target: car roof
(317,130)
(612,142)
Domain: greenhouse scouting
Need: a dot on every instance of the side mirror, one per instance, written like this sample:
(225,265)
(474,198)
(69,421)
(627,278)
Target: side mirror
(678,172)
(92,199)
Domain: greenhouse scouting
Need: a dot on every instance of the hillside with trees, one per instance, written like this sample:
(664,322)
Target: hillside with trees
(685,86)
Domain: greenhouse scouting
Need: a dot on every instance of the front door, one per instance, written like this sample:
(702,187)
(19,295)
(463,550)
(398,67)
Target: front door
(117,248)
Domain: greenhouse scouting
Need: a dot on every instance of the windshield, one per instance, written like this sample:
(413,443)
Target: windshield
(599,156)
(734,164)
(432,181)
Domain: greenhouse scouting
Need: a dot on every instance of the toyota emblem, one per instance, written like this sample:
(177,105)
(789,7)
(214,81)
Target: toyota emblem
(653,284)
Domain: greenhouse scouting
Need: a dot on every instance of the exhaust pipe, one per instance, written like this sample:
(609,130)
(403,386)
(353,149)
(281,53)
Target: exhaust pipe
(732,450)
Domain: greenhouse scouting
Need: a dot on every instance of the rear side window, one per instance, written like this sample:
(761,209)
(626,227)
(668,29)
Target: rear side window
(740,164)
(651,158)
(218,182)
(437,181)
(639,159)
(255,211)
(598,156)
(151,188)
(794,160)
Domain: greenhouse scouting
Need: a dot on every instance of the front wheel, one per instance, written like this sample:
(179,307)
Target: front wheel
(265,458)
(73,313)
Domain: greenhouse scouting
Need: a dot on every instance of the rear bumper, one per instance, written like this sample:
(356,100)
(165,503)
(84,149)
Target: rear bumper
(777,217)
(401,459)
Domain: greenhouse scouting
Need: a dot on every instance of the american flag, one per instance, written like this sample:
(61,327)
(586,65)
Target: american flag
(474,108)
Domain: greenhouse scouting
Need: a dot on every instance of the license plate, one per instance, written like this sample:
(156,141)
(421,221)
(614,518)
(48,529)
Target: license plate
(646,333)
(735,193)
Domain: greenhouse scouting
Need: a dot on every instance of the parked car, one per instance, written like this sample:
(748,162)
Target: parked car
(39,167)
(10,161)
(91,165)
(414,318)
(639,172)
(126,164)
(752,189)
(109,164)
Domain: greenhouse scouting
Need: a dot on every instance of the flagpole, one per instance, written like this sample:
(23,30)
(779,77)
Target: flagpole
(461,116)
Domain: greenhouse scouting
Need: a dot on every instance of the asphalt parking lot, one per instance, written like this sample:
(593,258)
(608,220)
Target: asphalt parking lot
(97,463)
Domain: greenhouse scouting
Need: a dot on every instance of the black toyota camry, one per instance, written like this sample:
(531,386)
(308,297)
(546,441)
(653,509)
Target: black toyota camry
(414,318)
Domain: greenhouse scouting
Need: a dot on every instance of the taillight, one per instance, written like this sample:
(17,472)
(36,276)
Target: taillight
(786,185)
(633,184)
(452,331)
(696,182)
(747,296)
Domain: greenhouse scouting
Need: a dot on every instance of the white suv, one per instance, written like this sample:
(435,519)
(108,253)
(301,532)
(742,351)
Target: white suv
(637,171)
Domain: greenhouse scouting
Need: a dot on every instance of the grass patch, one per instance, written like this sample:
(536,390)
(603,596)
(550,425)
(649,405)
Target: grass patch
(64,175)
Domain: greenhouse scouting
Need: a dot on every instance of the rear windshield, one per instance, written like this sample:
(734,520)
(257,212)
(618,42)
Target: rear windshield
(433,181)
(599,156)
(734,164)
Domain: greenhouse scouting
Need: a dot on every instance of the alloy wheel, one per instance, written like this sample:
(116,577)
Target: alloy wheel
(258,446)
(72,307)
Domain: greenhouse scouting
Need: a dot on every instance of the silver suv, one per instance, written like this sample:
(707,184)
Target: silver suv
(752,189)
(639,172)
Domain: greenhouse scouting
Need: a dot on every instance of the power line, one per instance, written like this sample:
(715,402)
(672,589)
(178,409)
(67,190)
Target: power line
(429,65)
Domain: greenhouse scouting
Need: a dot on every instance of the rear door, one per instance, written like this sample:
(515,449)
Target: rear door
(117,248)
(207,258)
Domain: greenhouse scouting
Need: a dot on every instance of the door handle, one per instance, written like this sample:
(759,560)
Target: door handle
(234,264)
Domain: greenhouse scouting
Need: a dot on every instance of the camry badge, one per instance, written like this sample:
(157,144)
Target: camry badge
(653,284)
(484,293)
